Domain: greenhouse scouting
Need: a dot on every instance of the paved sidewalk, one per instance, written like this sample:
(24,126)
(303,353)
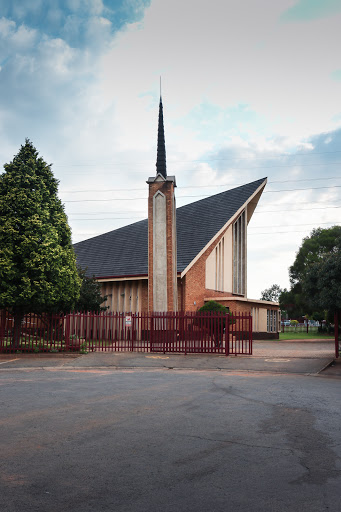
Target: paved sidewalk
(292,348)
(274,357)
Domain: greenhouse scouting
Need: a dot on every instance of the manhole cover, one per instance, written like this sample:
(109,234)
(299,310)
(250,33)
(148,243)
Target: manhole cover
(277,360)
(158,357)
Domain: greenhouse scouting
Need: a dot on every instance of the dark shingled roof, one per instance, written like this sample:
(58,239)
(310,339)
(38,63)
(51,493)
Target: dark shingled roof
(124,251)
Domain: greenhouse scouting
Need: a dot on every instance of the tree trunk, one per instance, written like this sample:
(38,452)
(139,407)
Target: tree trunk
(18,318)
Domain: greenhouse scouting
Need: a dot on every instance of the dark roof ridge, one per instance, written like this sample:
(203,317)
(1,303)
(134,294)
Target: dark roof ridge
(223,192)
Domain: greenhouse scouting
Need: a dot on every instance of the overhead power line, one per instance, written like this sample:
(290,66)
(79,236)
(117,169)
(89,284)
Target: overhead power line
(182,197)
(267,211)
(258,207)
(140,189)
(264,167)
(249,234)
(171,162)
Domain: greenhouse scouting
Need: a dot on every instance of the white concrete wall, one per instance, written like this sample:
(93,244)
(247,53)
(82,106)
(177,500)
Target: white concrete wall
(159,253)
(123,295)
(225,265)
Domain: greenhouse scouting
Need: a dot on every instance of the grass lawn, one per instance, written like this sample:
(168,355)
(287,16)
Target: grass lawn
(303,335)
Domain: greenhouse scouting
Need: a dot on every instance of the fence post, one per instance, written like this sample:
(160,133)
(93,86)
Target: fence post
(132,331)
(2,328)
(227,334)
(67,332)
(151,332)
(336,333)
(250,335)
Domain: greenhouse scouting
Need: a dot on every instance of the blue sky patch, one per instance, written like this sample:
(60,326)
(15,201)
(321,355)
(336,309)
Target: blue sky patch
(211,122)
(73,20)
(336,75)
(305,10)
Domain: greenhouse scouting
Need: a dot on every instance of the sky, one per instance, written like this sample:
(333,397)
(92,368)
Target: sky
(250,89)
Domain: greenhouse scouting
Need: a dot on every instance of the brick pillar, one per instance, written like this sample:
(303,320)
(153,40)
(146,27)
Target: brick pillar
(162,264)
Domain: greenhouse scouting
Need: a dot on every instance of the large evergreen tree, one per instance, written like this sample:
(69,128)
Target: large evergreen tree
(37,263)
(314,250)
(322,282)
(320,243)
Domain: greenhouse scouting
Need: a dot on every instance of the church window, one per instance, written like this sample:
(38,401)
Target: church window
(219,265)
(239,255)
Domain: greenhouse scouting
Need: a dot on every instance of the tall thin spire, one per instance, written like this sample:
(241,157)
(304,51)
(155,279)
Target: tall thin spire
(161,147)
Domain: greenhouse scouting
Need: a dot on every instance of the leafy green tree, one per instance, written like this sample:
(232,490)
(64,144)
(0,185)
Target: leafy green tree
(291,302)
(314,248)
(37,263)
(321,282)
(273,293)
(320,243)
(90,298)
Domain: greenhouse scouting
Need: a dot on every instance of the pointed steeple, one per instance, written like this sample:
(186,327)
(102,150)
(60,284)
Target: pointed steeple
(161,147)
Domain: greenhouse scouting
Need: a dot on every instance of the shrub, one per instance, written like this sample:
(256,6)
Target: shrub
(212,305)
(215,307)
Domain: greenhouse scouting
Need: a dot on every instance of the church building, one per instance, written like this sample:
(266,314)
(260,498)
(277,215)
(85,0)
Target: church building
(180,258)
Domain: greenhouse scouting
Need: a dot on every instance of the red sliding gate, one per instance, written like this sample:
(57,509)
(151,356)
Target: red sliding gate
(142,332)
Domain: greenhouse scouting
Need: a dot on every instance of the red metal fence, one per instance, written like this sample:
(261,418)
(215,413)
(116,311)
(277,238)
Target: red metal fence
(179,332)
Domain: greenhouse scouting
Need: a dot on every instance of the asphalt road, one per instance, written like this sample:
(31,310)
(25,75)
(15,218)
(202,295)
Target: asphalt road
(153,439)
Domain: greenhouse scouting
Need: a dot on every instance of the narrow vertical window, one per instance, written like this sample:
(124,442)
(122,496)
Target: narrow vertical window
(222,263)
(216,268)
(239,255)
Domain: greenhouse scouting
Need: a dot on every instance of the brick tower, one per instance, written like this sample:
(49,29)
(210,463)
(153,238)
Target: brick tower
(162,266)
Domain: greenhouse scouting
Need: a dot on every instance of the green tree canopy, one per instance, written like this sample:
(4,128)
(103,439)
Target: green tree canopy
(37,263)
(309,267)
(273,293)
(90,298)
(290,302)
(321,242)
(321,282)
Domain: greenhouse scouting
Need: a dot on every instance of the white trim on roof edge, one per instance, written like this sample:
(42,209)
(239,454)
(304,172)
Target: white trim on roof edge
(230,221)
(122,278)
(243,299)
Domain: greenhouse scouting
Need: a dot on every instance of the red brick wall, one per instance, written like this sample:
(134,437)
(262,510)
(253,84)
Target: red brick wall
(144,298)
(237,306)
(194,281)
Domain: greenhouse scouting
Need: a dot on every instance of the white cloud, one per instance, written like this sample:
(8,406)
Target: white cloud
(242,93)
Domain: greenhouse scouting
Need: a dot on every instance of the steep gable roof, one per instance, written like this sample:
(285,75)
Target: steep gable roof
(124,251)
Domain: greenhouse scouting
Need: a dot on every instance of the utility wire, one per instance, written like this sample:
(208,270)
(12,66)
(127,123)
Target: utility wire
(182,197)
(192,186)
(267,211)
(281,155)
(259,206)
(249,234)
(264,167)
